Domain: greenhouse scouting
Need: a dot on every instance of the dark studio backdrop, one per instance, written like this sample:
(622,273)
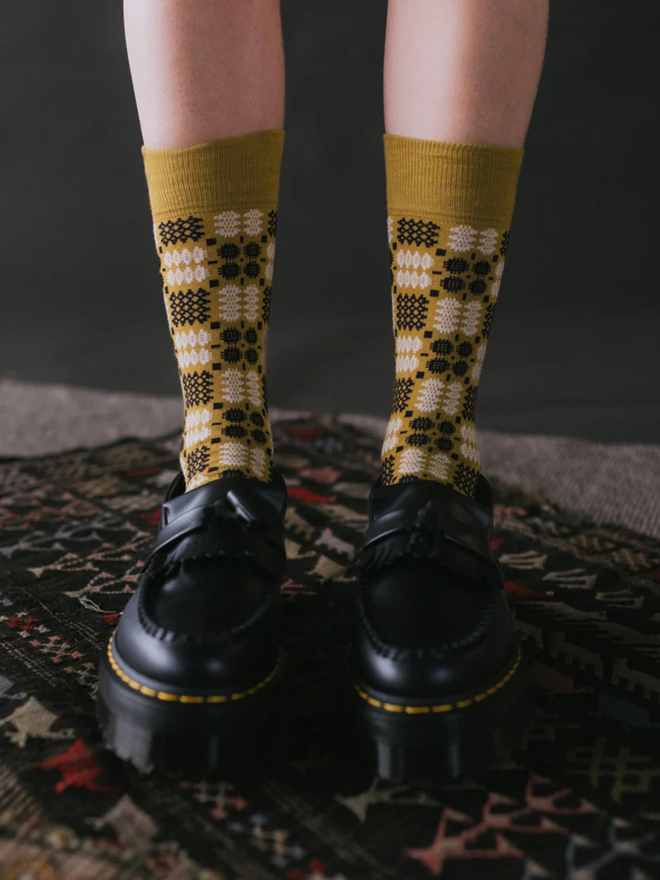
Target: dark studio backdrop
(574,348)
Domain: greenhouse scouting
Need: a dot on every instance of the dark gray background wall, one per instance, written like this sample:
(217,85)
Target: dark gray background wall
(575,343)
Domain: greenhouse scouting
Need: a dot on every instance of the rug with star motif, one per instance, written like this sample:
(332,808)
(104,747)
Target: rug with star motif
(581,800)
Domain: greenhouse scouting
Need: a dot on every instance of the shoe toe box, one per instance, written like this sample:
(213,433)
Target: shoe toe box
(428,633)
(211,624)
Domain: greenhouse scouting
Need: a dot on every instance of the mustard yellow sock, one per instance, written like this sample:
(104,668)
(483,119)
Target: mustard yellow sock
(214,209)
(449,208)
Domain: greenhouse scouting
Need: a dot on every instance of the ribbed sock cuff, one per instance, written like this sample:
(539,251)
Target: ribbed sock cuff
(230,173)
(467,182)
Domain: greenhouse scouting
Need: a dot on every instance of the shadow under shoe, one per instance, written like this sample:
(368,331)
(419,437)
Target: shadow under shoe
(438,680)
(190,679)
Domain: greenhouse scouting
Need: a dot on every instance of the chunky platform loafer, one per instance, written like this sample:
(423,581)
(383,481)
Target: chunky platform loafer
(438,679)
(189,680)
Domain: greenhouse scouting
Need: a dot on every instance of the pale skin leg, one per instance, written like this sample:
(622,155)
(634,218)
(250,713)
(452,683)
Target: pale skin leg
(205,69)
(463,71)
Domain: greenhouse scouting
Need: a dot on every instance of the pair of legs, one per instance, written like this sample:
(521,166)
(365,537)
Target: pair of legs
(456,72)
(460,71)
(197,652)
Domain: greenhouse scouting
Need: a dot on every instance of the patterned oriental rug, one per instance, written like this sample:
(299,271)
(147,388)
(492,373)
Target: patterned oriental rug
(580,801)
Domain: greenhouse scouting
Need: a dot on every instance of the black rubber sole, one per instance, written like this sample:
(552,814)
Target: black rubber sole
(197,735)
(446,740)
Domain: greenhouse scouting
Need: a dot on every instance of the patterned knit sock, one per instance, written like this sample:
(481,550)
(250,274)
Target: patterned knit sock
(214,208)
(450,207)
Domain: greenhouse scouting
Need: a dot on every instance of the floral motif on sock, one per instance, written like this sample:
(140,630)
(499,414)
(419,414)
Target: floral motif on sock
(217,269)
(445,281)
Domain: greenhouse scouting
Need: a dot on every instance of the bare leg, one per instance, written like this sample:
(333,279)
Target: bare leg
(463,71)
(205,69)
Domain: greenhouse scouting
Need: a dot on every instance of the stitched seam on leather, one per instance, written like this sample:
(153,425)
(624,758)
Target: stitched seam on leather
(394,653)
(172,636)
(410,709)
(169,697)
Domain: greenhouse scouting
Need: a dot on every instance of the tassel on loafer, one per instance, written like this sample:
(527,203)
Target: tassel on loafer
(190,679)
(438,679)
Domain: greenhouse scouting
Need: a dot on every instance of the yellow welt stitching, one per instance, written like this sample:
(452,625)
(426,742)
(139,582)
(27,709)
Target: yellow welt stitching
(166,696)
(443,707)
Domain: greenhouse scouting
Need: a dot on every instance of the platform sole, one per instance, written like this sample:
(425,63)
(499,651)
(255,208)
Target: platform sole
(446,740)
(196,734)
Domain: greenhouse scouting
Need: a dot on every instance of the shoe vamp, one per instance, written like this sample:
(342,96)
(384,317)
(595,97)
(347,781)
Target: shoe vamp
(209,596)
(421,605)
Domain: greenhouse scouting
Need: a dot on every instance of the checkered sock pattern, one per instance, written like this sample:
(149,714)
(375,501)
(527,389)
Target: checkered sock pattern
(214,209)
(449,210)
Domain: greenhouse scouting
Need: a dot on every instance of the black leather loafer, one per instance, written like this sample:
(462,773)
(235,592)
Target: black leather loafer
(193,668)
(439,680)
